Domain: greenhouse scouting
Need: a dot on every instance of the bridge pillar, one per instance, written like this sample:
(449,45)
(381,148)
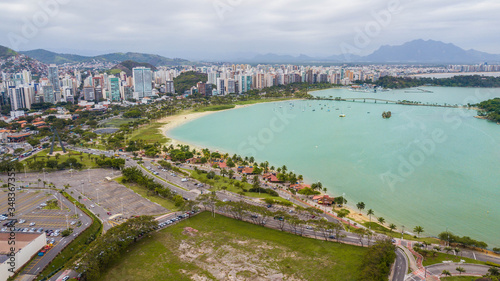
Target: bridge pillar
(375,101)
(364,100)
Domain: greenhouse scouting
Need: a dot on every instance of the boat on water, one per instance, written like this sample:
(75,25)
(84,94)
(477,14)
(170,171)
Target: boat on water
(342,115)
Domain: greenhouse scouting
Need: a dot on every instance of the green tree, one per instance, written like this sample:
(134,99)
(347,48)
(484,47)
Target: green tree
(445,273)
(392,227)
(460,270)
(360,206)
(418,230)
(381,220)
(370,213)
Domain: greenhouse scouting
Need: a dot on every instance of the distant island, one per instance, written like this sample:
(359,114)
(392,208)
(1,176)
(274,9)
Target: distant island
(490,109)
(391,82)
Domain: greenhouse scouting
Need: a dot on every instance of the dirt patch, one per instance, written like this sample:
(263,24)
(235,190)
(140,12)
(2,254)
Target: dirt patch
(236,260)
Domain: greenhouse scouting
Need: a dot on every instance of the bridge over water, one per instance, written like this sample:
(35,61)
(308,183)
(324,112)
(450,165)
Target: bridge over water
(384,101)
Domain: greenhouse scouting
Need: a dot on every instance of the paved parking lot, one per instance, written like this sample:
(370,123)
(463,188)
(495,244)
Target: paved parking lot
(111,201)
(28,208)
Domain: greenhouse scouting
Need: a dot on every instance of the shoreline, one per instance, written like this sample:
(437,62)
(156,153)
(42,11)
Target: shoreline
(174,121)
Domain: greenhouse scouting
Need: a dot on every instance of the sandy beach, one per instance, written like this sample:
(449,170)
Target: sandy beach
(174,121)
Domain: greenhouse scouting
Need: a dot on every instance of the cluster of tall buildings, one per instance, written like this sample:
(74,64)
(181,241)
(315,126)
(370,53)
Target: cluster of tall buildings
(19,91)
(239,79)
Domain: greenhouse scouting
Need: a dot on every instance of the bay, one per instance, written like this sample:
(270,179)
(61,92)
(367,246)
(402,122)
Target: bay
(434,167)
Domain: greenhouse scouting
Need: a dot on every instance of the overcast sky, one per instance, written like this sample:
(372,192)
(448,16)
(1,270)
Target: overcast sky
(209,29)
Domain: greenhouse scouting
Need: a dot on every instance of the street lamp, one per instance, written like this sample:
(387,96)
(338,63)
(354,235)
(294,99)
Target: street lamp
(121,200)
(67,224)
(402,232)
(24,164)
(43,169)
(82,187)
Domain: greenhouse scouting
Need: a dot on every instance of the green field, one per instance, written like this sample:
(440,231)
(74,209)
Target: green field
(459,278)
(384,230)
(44,154)
(225,248)
(447,257)
(219,182)
(116,122)
(215,107)
(165,203)
(150,134)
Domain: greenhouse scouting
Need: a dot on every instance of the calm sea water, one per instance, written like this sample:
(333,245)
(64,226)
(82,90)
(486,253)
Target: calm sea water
(429,166)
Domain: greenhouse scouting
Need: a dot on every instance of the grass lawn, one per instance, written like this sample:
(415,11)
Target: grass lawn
(117,122)
(447,257)
(144,193)
(214,107)
(44,154)
(459,278)
(384,230)
(149,133)
(224,248)
(218,182)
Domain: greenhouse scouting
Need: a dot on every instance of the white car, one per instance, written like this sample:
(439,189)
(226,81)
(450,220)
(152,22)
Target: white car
(92,206)
(32,224)
(184,180)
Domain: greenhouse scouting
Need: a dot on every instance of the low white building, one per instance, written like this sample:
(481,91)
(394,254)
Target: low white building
(14,256)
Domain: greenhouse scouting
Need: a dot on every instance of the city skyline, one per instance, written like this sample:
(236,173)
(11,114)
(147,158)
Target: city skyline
(228,28)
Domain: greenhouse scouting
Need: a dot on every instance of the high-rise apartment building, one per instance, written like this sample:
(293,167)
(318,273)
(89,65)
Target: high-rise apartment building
(54,77)
(142,82)
(114,84)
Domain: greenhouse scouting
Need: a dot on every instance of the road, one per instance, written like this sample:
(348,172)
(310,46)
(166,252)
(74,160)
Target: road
(189,191)
(437,269)
(400,266)
(40,263)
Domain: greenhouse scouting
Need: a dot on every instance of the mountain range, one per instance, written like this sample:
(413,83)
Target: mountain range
(49,57)
(414,52)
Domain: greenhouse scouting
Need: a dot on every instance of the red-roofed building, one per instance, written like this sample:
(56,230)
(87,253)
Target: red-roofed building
(299,186)
(271,177)
(247,170)
(323,199)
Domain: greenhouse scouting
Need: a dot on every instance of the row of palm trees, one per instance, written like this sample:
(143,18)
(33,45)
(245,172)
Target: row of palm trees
(381,220)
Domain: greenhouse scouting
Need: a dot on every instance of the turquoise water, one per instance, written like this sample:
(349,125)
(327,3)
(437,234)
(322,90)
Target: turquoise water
(429,166)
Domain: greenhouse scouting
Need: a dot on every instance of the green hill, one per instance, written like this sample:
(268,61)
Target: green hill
(187,80)
(49,57)
(155,60)
(6,52)
(127,67)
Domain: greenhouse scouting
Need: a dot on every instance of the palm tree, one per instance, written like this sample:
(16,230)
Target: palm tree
(493,271)
(381,220)
(446,273)
(457,250)
(418,229)
(370,213)
(392,227)
(360,206)
(460,269)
